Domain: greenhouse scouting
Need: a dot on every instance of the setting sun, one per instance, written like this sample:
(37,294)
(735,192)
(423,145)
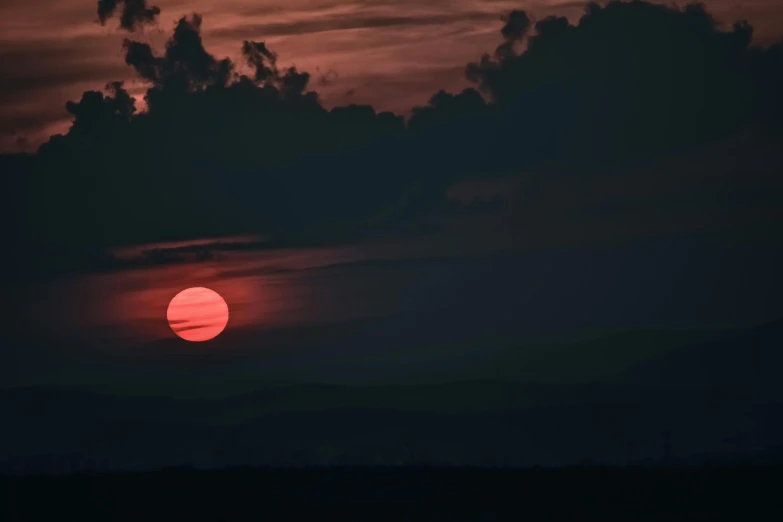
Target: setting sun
(197,314)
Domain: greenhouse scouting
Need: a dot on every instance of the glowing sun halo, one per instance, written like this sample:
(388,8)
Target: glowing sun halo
(197,314)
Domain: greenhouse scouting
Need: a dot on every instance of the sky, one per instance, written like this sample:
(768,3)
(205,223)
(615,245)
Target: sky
(377,314)
(389,53)
(599,215)
(594,193)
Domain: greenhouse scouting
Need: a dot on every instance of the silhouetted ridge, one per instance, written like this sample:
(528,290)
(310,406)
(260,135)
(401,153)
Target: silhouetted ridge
(745,363)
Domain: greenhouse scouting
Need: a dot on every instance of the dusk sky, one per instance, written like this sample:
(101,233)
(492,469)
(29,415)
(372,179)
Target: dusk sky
(636,165)
(393,54)
(505,232)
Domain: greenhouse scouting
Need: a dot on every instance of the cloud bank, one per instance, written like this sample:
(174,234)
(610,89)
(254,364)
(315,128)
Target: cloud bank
(232,147)
(383,59)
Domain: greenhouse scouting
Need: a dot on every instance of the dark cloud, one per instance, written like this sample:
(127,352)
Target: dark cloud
(261,59)
(328,77)
(63,29)
(630,80)
(35,82)
(134,14)
(569,107)
(97,112)
(185,65)
(186,328)
(402,92)
(350,21)
(517,25)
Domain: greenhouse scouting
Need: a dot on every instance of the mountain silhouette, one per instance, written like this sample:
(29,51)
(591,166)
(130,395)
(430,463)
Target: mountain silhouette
(745,363)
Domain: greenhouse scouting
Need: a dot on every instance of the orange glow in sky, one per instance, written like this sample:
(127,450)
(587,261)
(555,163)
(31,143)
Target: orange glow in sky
(390,54)
(197,314)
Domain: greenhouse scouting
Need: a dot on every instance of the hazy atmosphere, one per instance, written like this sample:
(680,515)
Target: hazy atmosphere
(391,260)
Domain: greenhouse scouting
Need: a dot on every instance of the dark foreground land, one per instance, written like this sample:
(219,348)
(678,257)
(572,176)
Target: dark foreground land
(742,493)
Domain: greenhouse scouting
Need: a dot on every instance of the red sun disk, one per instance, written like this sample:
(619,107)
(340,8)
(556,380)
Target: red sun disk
(197,314)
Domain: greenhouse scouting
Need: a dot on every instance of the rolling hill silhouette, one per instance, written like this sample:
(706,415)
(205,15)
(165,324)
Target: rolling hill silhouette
(714,400)
(746,363)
